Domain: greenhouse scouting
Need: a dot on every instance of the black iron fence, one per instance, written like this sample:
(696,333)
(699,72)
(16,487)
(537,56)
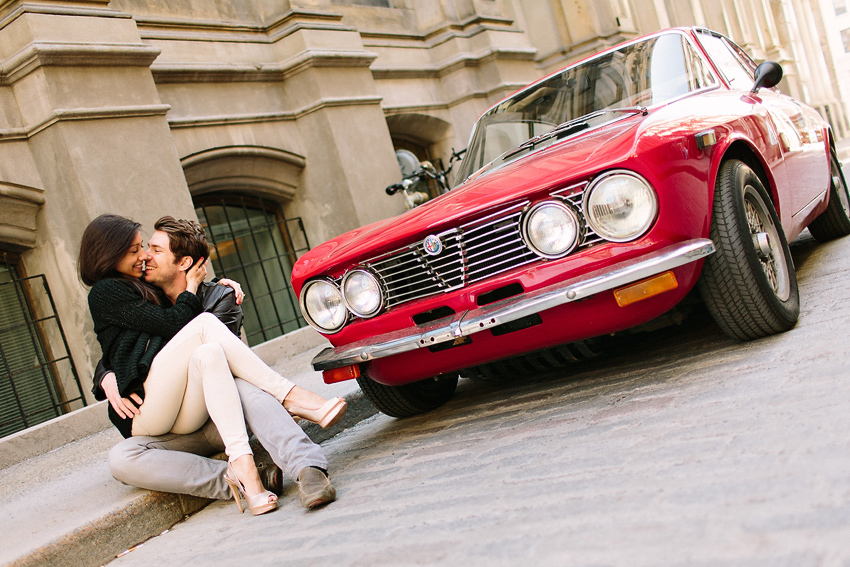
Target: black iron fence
(256,245)
(38,379)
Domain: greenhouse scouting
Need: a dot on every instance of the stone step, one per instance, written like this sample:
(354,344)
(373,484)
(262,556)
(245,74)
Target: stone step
(59,505)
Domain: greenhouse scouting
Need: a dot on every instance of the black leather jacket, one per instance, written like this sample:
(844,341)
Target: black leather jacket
(220,300)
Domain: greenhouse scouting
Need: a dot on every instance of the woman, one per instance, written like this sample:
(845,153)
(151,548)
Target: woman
(173,364)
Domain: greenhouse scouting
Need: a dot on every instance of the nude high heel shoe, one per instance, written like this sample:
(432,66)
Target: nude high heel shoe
(330,412)
(258,503)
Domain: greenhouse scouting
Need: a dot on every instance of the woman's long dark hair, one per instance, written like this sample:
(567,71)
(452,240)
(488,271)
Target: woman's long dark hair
(105,241)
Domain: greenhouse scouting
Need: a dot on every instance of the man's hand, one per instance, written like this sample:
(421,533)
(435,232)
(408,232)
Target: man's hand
(196,275)
(240,295)
(122,406)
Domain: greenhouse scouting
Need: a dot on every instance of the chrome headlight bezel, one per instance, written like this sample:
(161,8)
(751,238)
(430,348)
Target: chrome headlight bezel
(642,189)
(573,218)
(358,310)
(311,317)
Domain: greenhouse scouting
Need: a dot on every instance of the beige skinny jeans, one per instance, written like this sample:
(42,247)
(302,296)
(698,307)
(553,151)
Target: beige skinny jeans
(191,380)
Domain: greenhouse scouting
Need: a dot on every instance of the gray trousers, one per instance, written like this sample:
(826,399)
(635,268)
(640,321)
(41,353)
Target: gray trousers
(180,463)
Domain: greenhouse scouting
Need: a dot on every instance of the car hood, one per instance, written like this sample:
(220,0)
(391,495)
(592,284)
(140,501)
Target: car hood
(529,175)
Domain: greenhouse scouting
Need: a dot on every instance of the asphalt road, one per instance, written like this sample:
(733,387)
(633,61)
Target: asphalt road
(678,448)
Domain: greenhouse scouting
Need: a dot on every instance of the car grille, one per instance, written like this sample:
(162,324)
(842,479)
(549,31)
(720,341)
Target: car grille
(471,253)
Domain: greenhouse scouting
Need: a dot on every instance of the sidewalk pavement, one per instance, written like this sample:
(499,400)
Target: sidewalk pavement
(59,505)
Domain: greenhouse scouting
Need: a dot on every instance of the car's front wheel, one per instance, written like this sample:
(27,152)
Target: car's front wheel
(834,222)
(409,399)
(749,284)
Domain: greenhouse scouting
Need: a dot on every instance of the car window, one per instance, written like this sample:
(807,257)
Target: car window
(649,72)
(728,59)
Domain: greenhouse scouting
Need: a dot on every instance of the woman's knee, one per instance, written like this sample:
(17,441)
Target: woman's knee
(207,318)
(206,354)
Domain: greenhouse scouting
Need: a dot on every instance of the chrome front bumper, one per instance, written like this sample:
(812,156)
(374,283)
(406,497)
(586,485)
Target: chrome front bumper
(513,308)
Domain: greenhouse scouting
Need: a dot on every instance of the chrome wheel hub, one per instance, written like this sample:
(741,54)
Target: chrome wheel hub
(767,244)
(761,242)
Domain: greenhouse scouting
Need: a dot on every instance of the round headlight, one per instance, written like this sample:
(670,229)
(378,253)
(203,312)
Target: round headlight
(323,307)
(362,293)
(620,206)
(551,229)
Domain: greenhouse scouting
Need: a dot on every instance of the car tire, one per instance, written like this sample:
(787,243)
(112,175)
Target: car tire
(834,222)
(409,399)
(749,284)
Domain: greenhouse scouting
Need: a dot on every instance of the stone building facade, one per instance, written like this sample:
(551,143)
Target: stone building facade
(275,122)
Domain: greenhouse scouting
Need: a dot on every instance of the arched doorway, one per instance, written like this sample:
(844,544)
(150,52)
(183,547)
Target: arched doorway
(240,196)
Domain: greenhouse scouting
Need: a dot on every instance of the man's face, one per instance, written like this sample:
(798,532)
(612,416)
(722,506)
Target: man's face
(161,266)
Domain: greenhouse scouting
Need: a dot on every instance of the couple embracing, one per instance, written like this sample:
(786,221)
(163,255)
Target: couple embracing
(181,384)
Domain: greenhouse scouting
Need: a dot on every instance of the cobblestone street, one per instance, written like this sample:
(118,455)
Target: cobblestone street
(682,448)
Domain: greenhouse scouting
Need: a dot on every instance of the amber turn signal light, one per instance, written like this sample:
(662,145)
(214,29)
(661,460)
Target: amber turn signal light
(335,375)
(644,289)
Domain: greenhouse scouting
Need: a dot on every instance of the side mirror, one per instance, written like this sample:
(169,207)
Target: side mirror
(768,75)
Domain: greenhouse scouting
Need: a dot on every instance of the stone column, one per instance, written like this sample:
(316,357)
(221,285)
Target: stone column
(82,132)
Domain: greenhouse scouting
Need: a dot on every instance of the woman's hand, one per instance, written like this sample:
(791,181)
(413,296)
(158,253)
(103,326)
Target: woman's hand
(196,275)
(240,295)
(122,406)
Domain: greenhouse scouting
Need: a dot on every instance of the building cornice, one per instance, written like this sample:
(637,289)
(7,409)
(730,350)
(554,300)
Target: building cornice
(438,35)
(18,224)
(260,72)
(498,92)
(66,115)
(283,116)
(283,25)
(452,64)
(42,54)
(11,11)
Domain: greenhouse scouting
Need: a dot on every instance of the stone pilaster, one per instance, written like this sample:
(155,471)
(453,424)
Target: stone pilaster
(82,132)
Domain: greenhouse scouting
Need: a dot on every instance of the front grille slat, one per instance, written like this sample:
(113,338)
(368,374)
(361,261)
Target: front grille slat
(472,252)
(498,259)
(497,268)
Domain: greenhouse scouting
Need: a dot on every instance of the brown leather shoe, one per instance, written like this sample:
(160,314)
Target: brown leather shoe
(315,488)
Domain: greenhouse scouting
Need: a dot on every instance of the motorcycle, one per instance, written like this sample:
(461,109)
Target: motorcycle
(417,176)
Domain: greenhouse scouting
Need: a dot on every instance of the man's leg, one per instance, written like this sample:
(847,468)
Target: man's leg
(289,447)
(173,463)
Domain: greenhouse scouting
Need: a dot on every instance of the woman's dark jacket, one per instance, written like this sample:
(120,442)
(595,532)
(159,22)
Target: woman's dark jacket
(131,331)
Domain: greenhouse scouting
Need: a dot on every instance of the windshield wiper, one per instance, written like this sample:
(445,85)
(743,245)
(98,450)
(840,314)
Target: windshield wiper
(564,129)
(570,127)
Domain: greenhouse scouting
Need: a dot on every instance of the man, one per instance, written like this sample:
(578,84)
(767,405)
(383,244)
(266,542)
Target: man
(180,463)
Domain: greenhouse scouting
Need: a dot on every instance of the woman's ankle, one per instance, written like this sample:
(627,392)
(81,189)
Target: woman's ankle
(246,471)
(302,398)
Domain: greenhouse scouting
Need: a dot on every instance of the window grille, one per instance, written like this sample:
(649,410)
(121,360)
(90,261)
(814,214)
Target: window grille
(254,244)
(38,379)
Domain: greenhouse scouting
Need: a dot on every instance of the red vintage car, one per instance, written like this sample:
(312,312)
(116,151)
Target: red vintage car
(590,202)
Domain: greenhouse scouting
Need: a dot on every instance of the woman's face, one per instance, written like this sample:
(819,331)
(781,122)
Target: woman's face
(132,263)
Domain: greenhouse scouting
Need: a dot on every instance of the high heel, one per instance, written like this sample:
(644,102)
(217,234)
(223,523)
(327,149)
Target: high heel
(327,415)
(258,503)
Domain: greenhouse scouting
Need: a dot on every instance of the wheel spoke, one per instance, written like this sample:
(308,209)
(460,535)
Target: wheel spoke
(761,228)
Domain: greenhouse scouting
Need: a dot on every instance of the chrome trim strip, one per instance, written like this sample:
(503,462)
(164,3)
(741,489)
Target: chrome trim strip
(513,308)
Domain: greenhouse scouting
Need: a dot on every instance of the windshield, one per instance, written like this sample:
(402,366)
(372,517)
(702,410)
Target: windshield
(641,74)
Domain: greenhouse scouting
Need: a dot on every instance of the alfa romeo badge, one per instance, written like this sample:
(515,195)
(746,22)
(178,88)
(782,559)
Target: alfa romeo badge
(432,245)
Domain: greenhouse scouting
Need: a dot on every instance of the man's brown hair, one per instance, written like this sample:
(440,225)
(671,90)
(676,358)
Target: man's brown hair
(185,237)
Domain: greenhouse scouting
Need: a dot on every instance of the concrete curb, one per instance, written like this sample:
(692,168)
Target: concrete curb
(91,517)
(53,434)
(96,542)
(147,514)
